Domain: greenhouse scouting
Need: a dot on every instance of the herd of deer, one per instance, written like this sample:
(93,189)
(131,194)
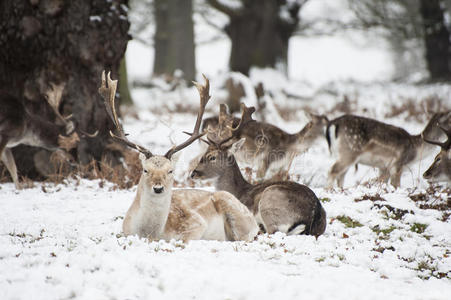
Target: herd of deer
(238,210)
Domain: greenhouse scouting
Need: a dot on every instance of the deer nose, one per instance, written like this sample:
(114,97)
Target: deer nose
(195,174)
(158,190)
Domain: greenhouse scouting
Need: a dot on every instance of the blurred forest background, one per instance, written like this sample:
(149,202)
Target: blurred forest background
(71,42)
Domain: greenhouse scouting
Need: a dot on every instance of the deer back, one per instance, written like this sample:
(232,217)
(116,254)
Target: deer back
(354,135)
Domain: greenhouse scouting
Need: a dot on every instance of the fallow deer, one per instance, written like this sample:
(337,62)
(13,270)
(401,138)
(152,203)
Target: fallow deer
(18,126)
(158,211)
(440,170)
(284,206)
(267,147)
(360,140)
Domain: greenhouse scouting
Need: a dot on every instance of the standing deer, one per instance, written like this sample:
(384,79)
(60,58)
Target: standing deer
(284,206)
(440,170)
(18,126)
(158,211)
(355,139)
(267,147)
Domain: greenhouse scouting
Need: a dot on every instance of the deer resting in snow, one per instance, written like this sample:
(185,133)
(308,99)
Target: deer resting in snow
(267,147)
(159,212)
(18,126)
(284,206)
(440,170)
(359,140)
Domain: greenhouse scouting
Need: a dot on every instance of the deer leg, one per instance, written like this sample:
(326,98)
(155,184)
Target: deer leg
(8,160)
(338,172)
(384,175)
(395,177)
(261,172)
(239,222)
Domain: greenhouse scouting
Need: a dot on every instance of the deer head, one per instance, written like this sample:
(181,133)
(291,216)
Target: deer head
(157,169)
(68,141)
(220,153)
(440,170)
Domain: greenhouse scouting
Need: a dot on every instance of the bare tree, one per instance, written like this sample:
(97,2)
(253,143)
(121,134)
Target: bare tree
(259,31)
(174,38)
(414,27)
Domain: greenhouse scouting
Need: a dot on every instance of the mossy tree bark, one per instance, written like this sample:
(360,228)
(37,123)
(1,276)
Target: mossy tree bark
(71,42)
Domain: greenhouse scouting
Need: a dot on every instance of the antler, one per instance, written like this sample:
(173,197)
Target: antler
(444,145)
(108,92)
(53,96)
(246,117)
(204,93)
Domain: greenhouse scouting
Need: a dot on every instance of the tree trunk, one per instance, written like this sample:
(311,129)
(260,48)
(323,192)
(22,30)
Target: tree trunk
(259,33)
(124,92)
(174,38)
(436,39)
(71,42)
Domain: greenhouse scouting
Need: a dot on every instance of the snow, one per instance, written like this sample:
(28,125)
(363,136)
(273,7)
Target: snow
(65,241)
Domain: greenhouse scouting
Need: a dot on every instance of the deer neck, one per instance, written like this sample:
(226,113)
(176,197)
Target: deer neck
(232,181)
(153,211)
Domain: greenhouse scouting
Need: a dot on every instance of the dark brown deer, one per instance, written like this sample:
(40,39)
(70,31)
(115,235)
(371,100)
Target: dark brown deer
(158,211)
(267,147)
(18,126)
(284,206)
(440,170)
(360,140)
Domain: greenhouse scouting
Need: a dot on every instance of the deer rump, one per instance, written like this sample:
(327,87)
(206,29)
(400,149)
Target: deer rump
(287,207)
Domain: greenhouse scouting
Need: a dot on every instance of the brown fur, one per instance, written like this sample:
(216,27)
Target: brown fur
(389,148)
(266,145)
(184,214)
(278,206)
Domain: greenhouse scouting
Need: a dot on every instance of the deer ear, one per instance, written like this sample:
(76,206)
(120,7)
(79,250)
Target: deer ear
(237,146)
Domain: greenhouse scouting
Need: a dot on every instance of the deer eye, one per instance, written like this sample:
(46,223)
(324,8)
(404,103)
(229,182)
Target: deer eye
(170,172)
(212,158)
(145,171)
(438,159)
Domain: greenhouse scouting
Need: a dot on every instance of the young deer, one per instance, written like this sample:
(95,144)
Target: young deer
(366,141)
(18,126)
(159,212)
(284,206)
(440,170)
(266,146)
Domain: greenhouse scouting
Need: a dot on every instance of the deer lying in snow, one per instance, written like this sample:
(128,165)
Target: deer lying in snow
(440,170)
(267,147)
(159,212)
(284,206)
(366,141)
(18,126)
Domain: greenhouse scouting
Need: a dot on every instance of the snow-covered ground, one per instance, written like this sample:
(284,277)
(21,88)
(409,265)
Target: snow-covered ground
(64,242)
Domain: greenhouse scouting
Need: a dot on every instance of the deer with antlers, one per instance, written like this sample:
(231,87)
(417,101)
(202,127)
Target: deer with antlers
(440,169)
(284,206)
(158,211)
(18,126)
(391,149)
(267,147)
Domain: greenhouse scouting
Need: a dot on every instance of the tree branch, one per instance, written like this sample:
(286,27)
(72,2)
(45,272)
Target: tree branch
(217,4)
